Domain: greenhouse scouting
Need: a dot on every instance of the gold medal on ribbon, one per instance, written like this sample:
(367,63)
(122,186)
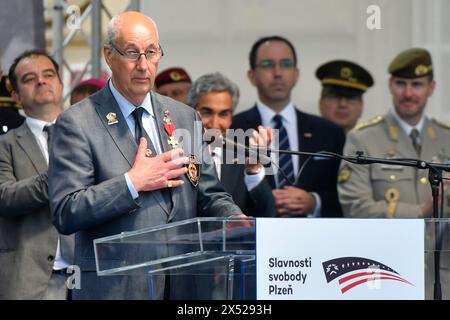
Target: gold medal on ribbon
(392,196)
(170,128)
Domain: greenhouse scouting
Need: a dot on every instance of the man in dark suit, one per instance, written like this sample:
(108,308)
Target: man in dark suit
(121,172)
(31,263)
(214,97)
(274,72)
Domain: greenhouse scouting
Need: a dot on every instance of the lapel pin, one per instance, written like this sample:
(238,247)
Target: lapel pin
(307,135)
(112,118)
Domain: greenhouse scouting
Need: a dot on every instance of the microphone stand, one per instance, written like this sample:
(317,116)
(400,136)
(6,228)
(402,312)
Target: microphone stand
(434,176)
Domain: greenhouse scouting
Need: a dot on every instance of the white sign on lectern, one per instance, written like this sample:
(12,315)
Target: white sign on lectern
(340,259)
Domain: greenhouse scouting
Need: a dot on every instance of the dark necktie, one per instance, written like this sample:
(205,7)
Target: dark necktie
(48,129)
(66,243)
(285,175)
(139,132)
(415,140)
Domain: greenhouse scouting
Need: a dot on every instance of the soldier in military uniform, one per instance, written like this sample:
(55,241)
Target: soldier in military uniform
(386,191)
(174,83)
(343,85)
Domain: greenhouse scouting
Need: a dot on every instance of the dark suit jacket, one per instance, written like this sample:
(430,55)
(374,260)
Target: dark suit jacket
(259,202)
(315,134)
(10,119)
(28,239)
(89,194)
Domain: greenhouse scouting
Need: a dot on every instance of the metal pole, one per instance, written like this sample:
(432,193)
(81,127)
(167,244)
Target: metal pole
(57,28)
(96,37)
(135,5)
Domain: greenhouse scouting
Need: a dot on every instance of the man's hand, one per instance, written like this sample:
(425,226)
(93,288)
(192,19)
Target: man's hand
(243,223)
(292,201)
(260,138)
(152,173)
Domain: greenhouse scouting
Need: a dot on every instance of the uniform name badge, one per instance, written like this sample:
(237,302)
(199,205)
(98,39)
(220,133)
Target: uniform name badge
(193,172)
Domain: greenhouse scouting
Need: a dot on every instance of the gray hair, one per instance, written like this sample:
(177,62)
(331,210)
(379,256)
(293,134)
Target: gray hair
(212,82)
(114,25)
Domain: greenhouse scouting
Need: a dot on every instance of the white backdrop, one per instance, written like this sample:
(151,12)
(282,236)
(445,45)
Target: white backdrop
(216,35)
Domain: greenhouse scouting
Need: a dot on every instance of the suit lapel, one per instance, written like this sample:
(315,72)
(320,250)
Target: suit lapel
(27,141)
(119,132)
(158,109)
(305,136)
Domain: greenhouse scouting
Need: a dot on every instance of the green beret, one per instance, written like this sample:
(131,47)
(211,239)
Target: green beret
(412,63)
(342,74)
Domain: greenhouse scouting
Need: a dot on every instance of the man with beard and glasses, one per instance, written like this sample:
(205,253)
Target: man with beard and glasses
(274,72)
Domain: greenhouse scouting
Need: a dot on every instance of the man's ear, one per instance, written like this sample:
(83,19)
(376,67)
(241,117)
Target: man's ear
(107,52)
(251,76)
(16,97)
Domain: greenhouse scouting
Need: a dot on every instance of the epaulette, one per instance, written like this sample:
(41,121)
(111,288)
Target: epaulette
(441,124)
(369,123)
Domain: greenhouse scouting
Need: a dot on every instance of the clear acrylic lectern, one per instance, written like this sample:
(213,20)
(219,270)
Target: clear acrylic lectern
(200,258)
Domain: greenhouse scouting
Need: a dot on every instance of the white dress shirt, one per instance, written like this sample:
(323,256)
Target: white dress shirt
(407,128)
(290,123)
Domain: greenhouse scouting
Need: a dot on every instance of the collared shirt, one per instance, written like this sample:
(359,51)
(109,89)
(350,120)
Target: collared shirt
(148,117)
(407,128)
(289,119)
(148,122)
(37,128)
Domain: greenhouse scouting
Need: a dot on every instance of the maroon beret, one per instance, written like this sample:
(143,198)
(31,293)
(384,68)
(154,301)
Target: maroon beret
(172,75)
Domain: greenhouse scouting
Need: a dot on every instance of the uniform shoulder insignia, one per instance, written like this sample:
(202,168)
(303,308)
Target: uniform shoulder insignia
(369,123)
(441,124)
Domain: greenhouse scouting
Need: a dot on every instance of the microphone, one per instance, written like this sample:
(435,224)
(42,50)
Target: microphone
(254,153)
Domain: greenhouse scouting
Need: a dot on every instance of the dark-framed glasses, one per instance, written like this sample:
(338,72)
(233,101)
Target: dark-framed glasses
(151,54)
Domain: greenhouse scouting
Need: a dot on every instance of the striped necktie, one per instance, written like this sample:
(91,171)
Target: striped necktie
(285,174)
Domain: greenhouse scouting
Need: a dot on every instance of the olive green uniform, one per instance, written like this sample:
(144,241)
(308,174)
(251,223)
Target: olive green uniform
(384,191)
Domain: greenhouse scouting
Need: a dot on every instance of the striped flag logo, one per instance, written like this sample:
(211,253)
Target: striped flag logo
(351,272)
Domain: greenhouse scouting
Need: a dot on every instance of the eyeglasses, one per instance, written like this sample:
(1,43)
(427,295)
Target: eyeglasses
(270,64)
(152,54)
(336,98)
